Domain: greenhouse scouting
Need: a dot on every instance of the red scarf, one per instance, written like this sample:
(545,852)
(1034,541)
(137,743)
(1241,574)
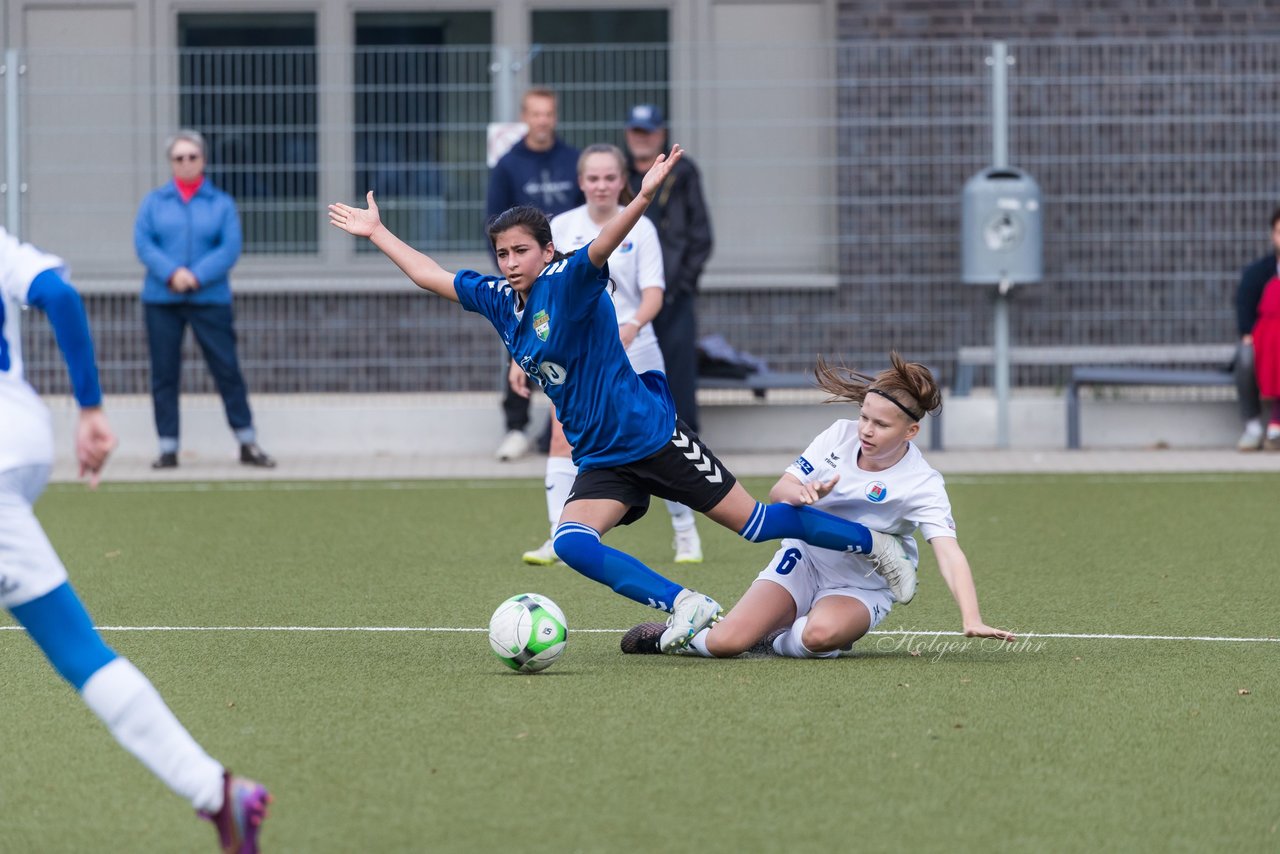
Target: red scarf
(187,189)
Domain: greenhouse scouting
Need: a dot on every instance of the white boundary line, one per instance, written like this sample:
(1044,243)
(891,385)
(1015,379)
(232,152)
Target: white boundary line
(341,484)
(461,629)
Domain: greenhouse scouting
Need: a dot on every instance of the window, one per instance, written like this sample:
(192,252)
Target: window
(422,100)
(596,86)
(248,83)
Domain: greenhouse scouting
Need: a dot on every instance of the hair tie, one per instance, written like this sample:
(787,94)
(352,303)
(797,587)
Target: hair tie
(895,402)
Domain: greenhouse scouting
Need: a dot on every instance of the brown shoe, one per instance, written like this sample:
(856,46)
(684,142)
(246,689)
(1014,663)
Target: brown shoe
(1271,443)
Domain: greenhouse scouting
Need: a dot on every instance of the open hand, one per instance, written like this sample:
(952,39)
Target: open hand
(812,493)
(659,171)
(361,222)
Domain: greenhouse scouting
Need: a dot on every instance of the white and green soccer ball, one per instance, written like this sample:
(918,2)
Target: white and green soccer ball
(528,632)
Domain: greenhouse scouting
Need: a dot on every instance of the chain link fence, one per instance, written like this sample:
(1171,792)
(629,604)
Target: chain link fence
(835,194)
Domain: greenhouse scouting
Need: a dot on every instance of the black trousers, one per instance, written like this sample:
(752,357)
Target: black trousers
(677,329)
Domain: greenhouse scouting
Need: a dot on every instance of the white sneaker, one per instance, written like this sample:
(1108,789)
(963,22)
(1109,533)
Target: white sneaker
(889,561)
(514,445)
(1252,437)
(691,613)
(688,546)
(543,555)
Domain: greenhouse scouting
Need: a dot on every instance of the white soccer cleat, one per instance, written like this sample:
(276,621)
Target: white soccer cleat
(688,546)
(889,560)
(691,613)
(514,445)
(543,555)
(1252,437)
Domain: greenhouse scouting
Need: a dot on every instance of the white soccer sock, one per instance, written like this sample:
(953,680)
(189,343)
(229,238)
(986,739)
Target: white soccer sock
(132,709)
(682,518)
(561,473)
(789,643)
(698,644)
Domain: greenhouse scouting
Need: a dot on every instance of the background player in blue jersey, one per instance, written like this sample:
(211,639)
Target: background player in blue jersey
(33,581)
(813,602)
(559,324)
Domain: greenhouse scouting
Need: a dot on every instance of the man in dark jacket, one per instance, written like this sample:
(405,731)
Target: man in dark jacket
(684,229)
(540,170)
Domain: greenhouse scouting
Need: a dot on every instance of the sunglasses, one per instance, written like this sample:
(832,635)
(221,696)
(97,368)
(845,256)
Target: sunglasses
(178,158)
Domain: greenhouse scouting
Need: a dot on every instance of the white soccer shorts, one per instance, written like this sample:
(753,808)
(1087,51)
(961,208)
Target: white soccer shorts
(29,567)
(791,568)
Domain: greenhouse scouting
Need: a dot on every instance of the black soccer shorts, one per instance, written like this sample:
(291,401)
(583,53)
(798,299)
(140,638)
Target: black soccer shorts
(683,470)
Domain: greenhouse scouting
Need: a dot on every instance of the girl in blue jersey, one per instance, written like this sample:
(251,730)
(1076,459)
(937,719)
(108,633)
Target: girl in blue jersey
(556,318)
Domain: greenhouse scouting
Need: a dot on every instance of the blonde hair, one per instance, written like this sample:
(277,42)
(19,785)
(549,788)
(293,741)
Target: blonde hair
(908,385)
(625,195)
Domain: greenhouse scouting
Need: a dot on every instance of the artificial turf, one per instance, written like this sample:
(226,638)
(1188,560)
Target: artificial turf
(421,740)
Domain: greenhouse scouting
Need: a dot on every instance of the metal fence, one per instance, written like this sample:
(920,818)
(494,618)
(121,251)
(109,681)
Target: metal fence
(1156,159)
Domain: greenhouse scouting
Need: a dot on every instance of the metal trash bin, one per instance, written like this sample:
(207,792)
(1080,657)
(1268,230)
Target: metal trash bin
(1001,232)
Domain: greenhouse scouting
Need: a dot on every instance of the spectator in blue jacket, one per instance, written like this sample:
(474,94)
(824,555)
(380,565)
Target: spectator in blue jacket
(188,237)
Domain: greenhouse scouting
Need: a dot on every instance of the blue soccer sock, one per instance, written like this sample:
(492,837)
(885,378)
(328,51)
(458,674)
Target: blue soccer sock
(61,627)
(776,521)
(579,546)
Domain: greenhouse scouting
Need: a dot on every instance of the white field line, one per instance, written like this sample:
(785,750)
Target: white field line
(456,483)
(458,629)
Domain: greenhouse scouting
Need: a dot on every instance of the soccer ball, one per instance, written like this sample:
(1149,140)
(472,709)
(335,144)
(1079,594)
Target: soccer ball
(528,632)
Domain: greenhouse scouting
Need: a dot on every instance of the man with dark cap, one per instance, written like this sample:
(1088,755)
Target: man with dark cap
(679,211)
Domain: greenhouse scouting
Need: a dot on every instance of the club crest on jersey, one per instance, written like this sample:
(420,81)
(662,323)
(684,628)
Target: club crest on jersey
(877,491)
(625,247)
(542,325)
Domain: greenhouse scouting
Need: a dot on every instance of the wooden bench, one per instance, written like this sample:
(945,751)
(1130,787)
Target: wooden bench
(969,358)
(760,383)
(1091,375)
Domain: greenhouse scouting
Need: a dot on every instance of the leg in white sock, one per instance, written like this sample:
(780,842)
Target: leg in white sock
(561,473)
(682,518)
(698,645)
(789,643)
(687,543)
(132,709)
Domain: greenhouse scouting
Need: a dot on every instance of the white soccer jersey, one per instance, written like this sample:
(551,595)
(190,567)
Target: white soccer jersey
(26,434)
(904,498)
(636,264)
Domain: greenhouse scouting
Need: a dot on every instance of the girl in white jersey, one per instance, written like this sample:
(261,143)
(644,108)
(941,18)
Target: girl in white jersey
(33,582)
(812,602)
(635,270)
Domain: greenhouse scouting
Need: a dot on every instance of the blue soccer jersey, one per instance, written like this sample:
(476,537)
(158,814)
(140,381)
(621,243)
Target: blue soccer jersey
(566,339)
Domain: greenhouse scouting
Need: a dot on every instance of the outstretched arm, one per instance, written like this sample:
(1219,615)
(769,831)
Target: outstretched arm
(954,567)
(616,229)
(421,269)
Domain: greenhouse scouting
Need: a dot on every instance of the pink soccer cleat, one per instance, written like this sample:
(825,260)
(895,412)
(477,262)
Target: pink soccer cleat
(244,807)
